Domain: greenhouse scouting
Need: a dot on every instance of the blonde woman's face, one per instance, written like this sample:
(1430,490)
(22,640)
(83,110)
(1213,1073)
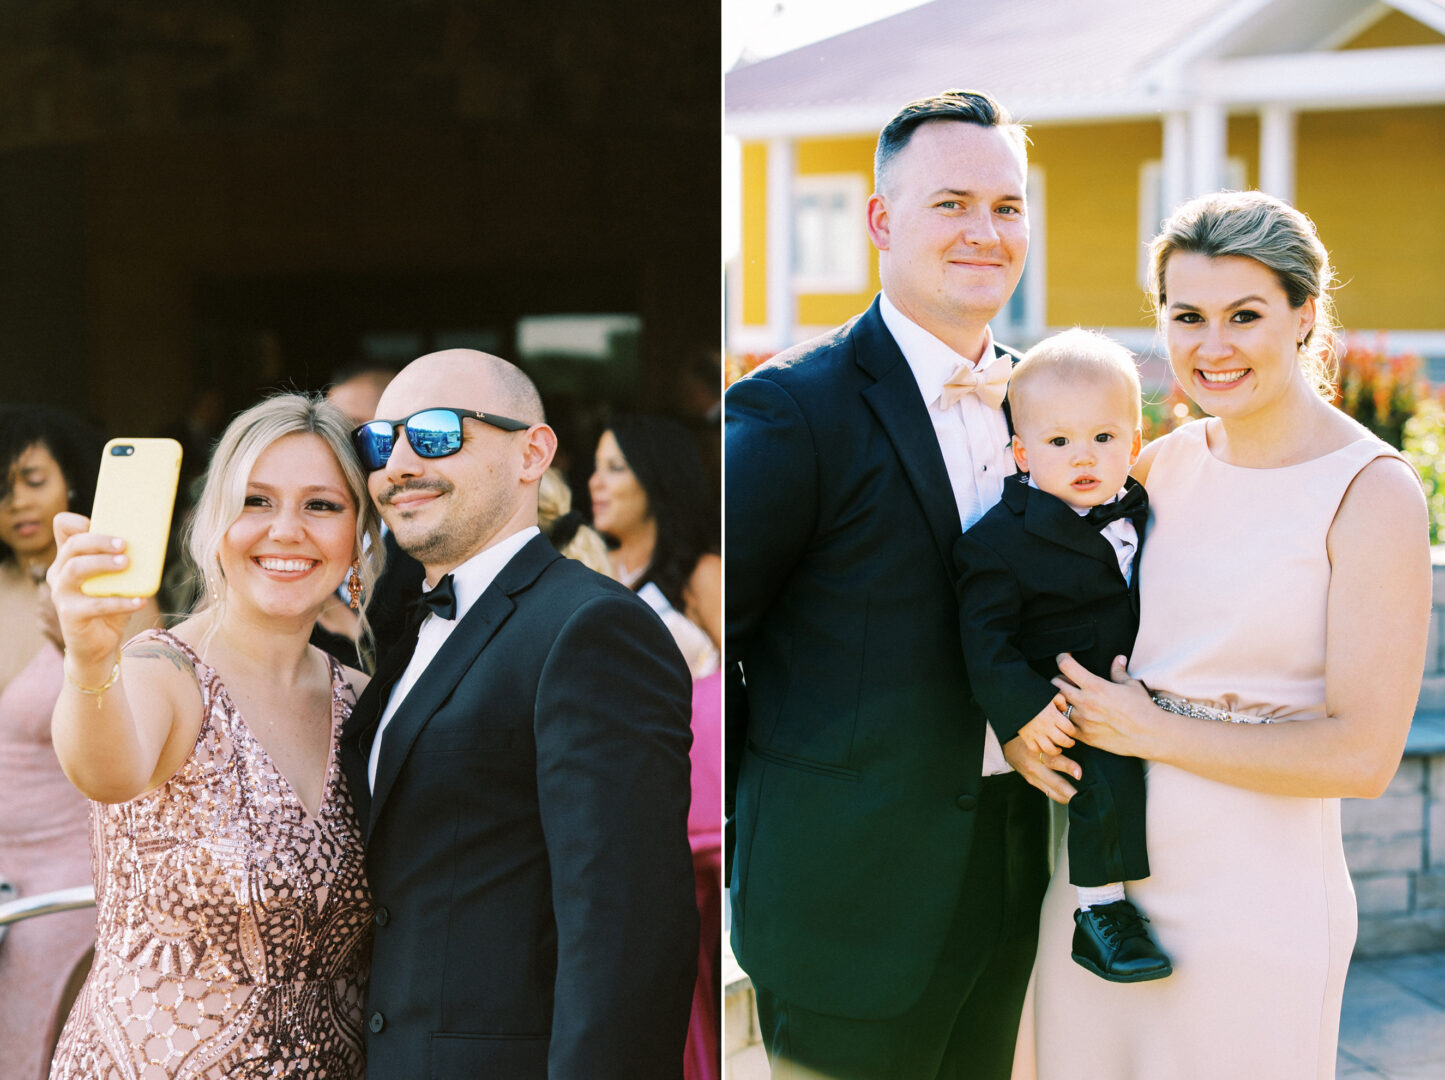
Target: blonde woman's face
(1231,332)
(295,539)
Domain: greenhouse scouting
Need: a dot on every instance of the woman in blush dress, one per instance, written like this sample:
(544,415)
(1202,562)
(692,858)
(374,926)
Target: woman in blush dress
(650,497)
(48,464)
(1285,600)
(234,921)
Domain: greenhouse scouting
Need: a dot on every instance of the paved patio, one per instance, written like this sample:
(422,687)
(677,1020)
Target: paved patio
(1392,1026)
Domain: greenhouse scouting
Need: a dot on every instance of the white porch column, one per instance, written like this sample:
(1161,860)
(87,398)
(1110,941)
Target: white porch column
(1276,151)
(1174,169)
(781,302)
(1207,149)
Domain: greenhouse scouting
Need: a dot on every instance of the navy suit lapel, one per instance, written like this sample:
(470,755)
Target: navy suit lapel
(900,409)
(441,676)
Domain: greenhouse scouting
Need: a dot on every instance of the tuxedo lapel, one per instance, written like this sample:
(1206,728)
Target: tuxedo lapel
(462,647)
(359,729)
(895,401)
(1050,518)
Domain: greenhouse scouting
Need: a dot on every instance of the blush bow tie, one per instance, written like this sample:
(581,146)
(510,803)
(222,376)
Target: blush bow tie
(990,384)
(1133,502)
(442,600)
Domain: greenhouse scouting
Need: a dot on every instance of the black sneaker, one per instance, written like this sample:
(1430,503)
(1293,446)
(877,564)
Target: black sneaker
(1111,941)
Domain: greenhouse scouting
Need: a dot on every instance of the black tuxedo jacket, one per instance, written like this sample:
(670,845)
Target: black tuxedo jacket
(1035,580)
(527,839)
(855,750)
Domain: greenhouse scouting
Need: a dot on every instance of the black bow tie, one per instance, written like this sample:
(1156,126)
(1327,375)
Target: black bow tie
(1133,502)
(442,600)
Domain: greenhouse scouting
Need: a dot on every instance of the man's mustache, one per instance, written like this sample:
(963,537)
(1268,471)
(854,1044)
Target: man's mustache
(441,487)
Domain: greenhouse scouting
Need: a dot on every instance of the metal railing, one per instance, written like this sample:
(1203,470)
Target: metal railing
(29,907)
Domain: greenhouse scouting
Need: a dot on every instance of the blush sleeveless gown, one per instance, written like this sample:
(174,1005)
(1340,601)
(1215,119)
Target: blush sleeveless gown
(44,845)
(1249,893)
(234,928)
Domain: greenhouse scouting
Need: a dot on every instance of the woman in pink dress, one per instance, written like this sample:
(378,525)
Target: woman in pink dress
(1285,601)
(48,463)
(650,497)
(234,920)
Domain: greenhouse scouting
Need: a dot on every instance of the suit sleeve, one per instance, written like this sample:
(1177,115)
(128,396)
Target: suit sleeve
(612,739)
(772,495)
(990,609)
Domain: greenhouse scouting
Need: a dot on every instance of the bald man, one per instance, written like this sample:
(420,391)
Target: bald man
(520,766)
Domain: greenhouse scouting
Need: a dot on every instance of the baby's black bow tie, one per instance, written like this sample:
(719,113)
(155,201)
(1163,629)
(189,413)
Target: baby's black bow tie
(442,600)
(1133,501)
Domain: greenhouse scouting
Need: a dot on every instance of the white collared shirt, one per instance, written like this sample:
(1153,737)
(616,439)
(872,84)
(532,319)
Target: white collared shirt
(974,440)
(469,581)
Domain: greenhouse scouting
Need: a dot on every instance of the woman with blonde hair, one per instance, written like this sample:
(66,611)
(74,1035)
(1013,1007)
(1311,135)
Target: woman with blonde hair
(1284,609)
(234,919)
(566,528)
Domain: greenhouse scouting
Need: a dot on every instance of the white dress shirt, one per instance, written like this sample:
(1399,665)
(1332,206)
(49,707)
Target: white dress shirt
(469,581)
(973,437)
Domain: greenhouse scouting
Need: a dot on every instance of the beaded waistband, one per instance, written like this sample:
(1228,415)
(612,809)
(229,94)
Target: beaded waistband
(1204,712)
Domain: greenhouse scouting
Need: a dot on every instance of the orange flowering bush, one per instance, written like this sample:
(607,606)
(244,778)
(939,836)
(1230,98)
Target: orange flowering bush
(739,364)
(1379,390)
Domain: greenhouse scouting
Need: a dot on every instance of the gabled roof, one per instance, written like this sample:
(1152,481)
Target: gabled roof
(1047,59)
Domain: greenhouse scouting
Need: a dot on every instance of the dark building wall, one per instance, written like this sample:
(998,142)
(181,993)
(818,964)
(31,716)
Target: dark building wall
(233,193)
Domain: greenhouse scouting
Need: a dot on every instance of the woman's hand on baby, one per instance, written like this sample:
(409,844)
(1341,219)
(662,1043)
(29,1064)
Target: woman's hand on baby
(1106,712)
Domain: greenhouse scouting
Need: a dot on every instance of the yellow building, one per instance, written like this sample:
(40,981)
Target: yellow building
(1132,106)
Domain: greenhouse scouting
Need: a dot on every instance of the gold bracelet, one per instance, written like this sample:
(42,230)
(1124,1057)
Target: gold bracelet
(94,691)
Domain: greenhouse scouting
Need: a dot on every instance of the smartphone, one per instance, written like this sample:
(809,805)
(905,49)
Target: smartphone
(134,497)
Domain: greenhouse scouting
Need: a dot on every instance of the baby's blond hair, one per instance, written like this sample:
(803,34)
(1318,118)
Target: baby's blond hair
(1073,355)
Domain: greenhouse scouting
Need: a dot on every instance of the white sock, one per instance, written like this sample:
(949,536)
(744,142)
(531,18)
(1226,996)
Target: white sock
(1104,894)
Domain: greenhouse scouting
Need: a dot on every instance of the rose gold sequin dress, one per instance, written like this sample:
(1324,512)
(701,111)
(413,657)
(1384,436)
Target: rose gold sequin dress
(234,929)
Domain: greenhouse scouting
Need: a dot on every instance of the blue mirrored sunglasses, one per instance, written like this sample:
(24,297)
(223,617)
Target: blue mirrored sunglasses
(433,433)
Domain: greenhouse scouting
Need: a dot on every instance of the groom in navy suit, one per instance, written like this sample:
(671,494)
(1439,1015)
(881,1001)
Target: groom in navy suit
(520,767)
(890,859)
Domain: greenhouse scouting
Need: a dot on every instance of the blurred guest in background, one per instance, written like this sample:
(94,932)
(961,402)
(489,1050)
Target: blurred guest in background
(650,495)
(355,391)
(566,528)
(48,464)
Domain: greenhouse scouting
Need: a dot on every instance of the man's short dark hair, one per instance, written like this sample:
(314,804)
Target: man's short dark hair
(962,106)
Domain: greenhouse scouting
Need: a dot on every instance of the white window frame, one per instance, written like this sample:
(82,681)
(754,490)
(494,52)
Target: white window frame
(1021,322)
(850,238)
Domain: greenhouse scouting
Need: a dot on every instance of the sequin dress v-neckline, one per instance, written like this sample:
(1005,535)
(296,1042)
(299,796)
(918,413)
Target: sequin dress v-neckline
(234,928)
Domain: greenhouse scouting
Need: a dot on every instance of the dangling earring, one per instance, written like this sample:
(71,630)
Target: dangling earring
(353,585)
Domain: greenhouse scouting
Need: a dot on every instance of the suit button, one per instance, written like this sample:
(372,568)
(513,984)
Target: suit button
(377,1021)
(967,802)
(382,916)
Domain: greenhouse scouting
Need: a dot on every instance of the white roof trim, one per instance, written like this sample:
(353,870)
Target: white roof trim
(1354,78)
(1202,41)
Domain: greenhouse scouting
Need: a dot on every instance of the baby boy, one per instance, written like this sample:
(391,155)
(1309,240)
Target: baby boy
(1052,569)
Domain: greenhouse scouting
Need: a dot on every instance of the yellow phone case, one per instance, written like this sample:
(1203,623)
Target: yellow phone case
(134,497)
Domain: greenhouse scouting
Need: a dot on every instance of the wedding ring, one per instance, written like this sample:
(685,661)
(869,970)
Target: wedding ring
(1068,712)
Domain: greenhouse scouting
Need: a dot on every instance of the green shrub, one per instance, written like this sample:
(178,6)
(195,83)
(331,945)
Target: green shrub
(1425,446)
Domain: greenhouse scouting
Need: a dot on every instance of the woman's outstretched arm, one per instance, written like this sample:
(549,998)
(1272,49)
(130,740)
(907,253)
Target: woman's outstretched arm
(120,735)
